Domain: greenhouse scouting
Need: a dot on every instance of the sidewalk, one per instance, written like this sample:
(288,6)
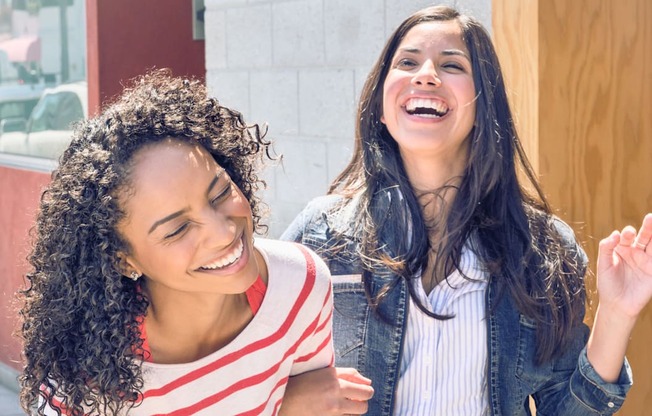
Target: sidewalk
(9,392)
(9,402)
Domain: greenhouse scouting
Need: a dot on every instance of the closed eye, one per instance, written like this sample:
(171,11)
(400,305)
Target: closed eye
(453,66)
(222,195)
(177,232)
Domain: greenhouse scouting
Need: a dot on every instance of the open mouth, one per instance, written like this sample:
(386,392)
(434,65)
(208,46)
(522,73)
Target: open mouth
(228,259)
(425,107)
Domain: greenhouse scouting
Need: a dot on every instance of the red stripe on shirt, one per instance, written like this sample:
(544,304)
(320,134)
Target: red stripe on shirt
(248,349)
(319,349)
(246,382)
(257,411)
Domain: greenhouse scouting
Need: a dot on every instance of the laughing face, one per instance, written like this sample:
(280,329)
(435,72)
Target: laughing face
(188,225)
(429,94)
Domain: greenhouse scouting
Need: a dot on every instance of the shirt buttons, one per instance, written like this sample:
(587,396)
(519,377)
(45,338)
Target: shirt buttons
(611,404)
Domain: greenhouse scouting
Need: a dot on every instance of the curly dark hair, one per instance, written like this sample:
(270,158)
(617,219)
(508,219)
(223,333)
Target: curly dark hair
(79,314)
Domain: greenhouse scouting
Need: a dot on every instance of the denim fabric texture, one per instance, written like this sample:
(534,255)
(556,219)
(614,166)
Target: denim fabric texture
(371,341)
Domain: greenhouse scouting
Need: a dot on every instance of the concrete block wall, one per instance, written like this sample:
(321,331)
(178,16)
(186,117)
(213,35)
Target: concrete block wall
(299,66)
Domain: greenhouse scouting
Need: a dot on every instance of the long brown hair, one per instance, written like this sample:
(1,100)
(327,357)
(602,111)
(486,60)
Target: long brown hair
(518,238)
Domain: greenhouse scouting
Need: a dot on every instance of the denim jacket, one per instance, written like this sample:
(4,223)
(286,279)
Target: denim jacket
(567,385)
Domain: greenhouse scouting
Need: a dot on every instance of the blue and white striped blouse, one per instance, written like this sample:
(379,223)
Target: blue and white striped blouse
(443,368)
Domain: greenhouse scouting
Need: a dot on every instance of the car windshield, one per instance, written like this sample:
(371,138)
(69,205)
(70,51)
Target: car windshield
(56,112)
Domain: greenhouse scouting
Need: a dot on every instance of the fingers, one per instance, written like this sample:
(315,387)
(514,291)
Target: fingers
(352,375)
(354,385)
(606,248)
(644,235)
(356,391)
(353,407)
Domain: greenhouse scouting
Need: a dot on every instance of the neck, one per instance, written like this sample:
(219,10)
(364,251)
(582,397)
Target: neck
(435,183)
(191,326)
(427,174)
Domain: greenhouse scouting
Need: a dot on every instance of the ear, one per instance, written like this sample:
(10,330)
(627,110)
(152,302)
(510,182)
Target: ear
(125,266)
(382,119)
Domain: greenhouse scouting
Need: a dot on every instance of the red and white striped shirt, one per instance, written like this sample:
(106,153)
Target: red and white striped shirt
(290,334)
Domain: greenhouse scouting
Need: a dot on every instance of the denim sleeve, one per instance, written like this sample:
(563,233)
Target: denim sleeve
(294,232)
(585,393)
(604,398)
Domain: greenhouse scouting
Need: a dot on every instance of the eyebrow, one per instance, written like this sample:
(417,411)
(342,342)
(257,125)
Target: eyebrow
(446,52)
(449,52)
(180,212)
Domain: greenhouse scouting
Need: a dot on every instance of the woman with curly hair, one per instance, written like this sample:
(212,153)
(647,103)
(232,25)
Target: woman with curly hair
(148,293)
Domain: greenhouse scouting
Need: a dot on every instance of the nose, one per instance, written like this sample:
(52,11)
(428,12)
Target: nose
(219,230)
(426,75)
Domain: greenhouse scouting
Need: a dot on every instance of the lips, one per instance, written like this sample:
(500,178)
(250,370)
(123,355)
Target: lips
(426,107)
(226,260)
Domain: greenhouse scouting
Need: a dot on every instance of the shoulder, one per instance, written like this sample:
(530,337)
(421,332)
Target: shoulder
(321,218)
(322,205)
(568,240)
(290,257)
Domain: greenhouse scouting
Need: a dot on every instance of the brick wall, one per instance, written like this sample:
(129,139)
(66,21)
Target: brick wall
(299,65)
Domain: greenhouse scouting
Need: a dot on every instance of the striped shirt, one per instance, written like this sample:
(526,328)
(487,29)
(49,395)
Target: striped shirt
(444,364)
(290,334)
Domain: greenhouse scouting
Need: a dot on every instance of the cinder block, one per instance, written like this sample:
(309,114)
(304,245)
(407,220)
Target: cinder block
(480,9)
(338,155)
(397,11)
(224,4)
(249,36)
(303,174)
(283,213)
(231,88)
(215,33)
(298,33)
(361,75)
(326,103)
(274,99)
(355,31)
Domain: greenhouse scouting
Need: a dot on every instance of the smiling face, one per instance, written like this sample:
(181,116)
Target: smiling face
(188,225)
(429,94)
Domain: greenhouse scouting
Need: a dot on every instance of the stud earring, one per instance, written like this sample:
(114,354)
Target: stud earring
(134,276)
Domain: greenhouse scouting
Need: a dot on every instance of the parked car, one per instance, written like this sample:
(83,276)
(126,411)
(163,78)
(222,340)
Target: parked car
(16,104)
(48,130)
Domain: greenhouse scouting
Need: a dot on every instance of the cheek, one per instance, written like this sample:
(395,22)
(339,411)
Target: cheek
(392,88)
(241,206)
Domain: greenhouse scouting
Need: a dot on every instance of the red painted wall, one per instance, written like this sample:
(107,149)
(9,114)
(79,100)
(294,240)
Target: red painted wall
(20,192)
(125,38)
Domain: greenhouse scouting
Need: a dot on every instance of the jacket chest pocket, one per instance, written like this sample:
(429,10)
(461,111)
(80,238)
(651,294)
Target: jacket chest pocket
(350,317)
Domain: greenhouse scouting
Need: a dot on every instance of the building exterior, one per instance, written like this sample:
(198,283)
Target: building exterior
(579,75)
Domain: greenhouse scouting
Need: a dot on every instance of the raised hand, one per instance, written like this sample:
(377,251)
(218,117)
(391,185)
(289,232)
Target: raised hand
(625,269)
(624,288)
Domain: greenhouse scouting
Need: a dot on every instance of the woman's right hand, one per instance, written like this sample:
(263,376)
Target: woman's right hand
(327,391)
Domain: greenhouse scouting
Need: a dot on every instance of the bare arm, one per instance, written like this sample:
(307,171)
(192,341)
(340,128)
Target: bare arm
(624,289)
(327,391)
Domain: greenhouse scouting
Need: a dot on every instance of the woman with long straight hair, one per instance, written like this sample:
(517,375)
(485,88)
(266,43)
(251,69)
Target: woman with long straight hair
(457,291)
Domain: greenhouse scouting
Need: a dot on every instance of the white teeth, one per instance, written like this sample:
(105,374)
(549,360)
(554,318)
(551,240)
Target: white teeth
(426,106)
(228,259)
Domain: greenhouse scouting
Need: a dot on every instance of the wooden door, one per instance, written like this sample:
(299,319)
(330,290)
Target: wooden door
(580,79)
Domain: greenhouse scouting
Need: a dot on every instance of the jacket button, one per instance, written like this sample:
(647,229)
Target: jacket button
(611,404)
